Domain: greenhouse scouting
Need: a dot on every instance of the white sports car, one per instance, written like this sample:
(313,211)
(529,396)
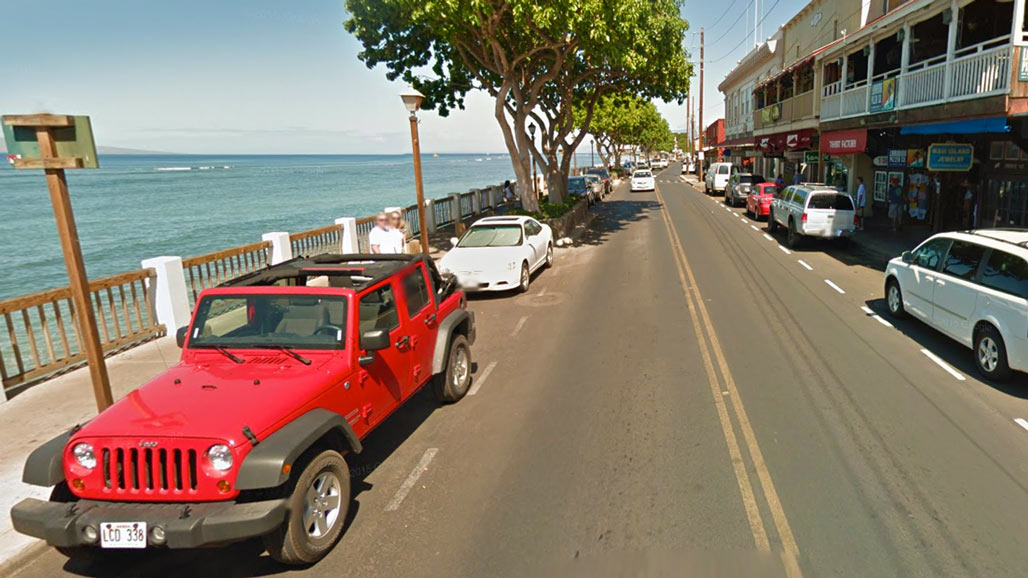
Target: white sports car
(499,254)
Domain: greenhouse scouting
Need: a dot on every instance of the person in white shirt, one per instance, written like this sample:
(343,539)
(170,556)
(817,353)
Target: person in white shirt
(379,239)
(397,232)
(861,200)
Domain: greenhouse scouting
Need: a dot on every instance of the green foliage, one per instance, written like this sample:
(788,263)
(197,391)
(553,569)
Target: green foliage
(548,210)
(620,119)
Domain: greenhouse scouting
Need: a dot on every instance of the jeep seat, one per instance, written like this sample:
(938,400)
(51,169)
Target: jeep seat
(303,319)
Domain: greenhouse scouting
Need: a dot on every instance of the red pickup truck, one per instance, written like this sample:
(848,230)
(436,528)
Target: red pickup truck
(283,372)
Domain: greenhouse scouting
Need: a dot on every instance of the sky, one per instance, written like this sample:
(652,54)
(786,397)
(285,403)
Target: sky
(267,77)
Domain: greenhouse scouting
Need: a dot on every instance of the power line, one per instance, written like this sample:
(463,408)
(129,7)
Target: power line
(742,13)
(744,38)
(721,18)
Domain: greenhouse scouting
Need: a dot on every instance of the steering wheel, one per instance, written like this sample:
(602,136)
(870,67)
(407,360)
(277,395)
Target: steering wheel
(329,329)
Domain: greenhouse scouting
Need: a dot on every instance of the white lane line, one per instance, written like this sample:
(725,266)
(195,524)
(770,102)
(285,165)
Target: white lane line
(479,380)
(804,263)
(784,250)
(743,220)
(754,227)
(412,479)
(521,323)
(834,286)
(875,316)
(942,364)
(768,237)
(1021,422)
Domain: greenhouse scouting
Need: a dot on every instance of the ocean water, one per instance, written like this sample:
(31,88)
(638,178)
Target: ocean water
(128,210)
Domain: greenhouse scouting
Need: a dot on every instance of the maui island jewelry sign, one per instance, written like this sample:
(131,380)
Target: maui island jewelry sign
(950,157)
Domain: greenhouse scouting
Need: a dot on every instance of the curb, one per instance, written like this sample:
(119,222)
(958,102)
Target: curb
(23,558)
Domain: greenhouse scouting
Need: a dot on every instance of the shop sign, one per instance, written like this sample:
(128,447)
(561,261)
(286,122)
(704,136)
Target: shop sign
(810,157)
(883,95)
(776,111)
(799,140)
(880,161)
(915,158)
(950,157)
(1022,71)
(844,142)
(765,114)
(897,158)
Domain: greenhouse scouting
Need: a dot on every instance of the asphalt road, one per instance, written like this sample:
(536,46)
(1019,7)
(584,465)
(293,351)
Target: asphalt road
(681,395)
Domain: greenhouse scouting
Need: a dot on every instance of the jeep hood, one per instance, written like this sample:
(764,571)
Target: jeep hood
(216,400)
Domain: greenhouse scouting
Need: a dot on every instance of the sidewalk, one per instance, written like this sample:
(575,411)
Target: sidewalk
(44,411)
(879,243)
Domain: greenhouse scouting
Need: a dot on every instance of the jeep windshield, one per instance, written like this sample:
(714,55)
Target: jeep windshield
(491,236)
(270,321)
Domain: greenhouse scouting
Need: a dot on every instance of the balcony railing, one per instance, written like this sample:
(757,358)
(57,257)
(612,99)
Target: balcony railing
(793,108)
(973,72)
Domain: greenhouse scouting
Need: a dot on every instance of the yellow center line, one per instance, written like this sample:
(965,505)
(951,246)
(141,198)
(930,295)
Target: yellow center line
(692,292)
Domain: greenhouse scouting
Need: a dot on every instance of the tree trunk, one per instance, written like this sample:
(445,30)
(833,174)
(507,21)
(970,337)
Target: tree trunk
(556,181)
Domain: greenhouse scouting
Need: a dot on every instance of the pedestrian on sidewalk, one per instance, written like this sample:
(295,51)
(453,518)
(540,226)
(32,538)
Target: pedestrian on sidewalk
(780,182)
(895,204)
(508,192)
(397,231)
(379,238)
(968,208)
(861,200)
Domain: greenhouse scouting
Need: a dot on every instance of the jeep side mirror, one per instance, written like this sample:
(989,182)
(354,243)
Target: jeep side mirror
(454,241)
(907,257)
(375,339)
(180,336)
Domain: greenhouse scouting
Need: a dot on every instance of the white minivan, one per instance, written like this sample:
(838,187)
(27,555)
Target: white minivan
(716,177)
(812,211)
(973,287)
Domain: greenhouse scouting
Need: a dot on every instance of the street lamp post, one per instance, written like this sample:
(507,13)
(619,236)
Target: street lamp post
(412,101)
(531,131)
(592,160)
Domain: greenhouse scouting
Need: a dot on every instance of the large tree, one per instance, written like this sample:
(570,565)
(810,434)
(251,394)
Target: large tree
(540,60)
(620,120)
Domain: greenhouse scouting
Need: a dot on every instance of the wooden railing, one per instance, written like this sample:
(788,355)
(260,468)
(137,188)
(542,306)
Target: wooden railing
(212,269)
(364,227)
(41,337)
(317,241)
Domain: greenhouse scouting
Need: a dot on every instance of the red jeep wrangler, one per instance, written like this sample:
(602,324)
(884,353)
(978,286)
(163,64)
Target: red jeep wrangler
(283,372)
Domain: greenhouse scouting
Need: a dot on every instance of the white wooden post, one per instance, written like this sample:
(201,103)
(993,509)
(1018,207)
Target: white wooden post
(951,47)
(170,296)
(349,225)
(870,76)
(476,202)
(430,216)
(455,215)
(281,247)
(904,65)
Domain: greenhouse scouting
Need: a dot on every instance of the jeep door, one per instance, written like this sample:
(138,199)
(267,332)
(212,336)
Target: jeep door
(420,311)
(389,373)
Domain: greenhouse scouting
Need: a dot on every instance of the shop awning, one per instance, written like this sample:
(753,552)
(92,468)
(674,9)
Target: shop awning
(785,141)
(844,142)
(996,124)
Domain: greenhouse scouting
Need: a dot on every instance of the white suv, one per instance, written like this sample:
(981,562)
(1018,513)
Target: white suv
(716,177)
(642,180)
(812,211)
(973,287)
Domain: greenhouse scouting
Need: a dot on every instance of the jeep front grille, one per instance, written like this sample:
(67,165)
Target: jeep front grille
(130,468)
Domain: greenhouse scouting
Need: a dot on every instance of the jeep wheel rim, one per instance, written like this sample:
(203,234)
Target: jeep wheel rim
(988,354)
(894,298)
(460,367)
(323,505)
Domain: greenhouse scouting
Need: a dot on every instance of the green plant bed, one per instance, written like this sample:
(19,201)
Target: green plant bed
(548,210)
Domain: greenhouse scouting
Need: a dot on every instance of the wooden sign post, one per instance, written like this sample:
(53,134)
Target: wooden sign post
(48,159)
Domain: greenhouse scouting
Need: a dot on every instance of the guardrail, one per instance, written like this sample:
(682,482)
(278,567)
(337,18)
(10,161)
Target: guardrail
(442,212)
(467,206)
(317,241)
(41,337)
(205,271)
(364,227)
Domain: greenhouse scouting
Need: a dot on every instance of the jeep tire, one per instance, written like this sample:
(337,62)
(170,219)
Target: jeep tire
(452,384)
(319,501)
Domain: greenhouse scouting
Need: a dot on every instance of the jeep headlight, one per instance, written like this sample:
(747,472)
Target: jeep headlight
(220,457)
(84,455)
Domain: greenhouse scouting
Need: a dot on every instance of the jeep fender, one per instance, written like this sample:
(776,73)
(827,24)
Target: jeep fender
(460,321)
(45,465)
(262,467)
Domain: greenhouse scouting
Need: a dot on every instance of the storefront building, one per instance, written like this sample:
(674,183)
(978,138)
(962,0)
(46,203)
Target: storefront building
(928,98)
(713,136)
(738,86)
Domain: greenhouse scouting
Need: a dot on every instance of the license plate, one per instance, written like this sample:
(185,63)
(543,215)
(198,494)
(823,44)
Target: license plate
(123,535)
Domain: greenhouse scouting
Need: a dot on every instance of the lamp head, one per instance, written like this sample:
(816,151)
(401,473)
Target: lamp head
(531,129)
(412,99)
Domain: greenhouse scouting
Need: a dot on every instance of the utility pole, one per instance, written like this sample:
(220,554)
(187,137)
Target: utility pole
(701,106)
(756,5)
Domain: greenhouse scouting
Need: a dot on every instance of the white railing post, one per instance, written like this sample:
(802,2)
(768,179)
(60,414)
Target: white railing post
(430,216)
(170,297)
(476,202)
(281,247)
(951,47)
(455,215)
(349,235)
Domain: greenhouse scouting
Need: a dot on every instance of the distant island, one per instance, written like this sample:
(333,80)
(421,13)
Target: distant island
(105,150)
